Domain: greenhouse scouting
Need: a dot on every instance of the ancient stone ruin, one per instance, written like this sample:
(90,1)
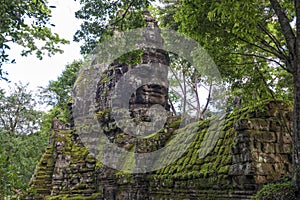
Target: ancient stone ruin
(254,148)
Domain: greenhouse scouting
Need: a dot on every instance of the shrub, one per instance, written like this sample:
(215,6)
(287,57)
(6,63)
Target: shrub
(276,191)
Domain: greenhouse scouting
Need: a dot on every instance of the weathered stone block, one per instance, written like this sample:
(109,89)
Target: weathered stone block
(283,148)
(287,148)
(264,136)
(268,147)
(260,178)
(265,168)
(275,125)
(236,169)
(259,124)
(287,138)
(242,124)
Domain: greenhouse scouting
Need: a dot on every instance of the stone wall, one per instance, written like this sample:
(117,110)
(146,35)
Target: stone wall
(254,148)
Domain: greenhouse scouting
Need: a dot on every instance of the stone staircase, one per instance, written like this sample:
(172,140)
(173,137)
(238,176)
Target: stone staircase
(42,179)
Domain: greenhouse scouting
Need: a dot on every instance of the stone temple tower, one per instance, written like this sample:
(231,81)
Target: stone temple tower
(144,96)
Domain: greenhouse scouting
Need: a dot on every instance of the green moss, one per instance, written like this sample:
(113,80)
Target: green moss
(175,124)
(278,191)
(105,79)
(124,177)
(224,169)
(131,58)
(78,154)
(153,136)
(209,170)
(103,114)
(130,162)
(99,164)
(189,171)
(74,197)
(206,168)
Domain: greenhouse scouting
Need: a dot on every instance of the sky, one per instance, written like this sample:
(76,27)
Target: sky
(39,72)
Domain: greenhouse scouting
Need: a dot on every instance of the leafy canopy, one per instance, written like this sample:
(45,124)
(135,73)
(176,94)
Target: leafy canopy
(102,18)
(245,40)
(18,113)
(27,23)
(21,141)
(58,94)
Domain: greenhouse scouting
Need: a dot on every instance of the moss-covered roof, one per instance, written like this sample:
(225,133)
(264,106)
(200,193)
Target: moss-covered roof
(243,157)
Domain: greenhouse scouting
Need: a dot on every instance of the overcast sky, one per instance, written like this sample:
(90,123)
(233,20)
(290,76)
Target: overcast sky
(39,72)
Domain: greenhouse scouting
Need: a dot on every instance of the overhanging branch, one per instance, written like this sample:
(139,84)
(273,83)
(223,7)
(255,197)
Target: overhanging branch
(287,31)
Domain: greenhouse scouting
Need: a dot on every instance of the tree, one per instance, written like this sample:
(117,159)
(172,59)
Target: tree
(58,93)
(233,47)
(21,142)
(9,180)
(27,23)
(18,114)
(101,18)
(24,131)
(185,85)
(251,39)
(18,158)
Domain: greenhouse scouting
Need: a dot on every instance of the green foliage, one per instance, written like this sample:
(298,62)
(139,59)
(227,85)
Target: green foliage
(24,23)
(18,113)
(273,191)
(58,94)
(47,118)
(131,58)
(102,18)
(61,89)
(9,179)
(244,40)
(20,142)
(18,159)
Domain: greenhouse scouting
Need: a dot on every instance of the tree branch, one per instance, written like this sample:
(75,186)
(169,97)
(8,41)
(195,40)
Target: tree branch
(123,15)
(260,47)
(273,39)
(287,31)
(208,100)
(277,52)
(195,88)
(262,57)
(297,8)
(177,78)
(188,103)
(172,106)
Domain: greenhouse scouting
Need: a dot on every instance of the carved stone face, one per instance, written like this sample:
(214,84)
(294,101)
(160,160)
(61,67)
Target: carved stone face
(145,96)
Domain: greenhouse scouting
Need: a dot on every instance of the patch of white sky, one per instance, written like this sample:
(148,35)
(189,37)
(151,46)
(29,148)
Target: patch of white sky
(39,72)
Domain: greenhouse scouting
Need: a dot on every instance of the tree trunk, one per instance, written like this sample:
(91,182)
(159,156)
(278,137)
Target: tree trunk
(296,116)
(296,132)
